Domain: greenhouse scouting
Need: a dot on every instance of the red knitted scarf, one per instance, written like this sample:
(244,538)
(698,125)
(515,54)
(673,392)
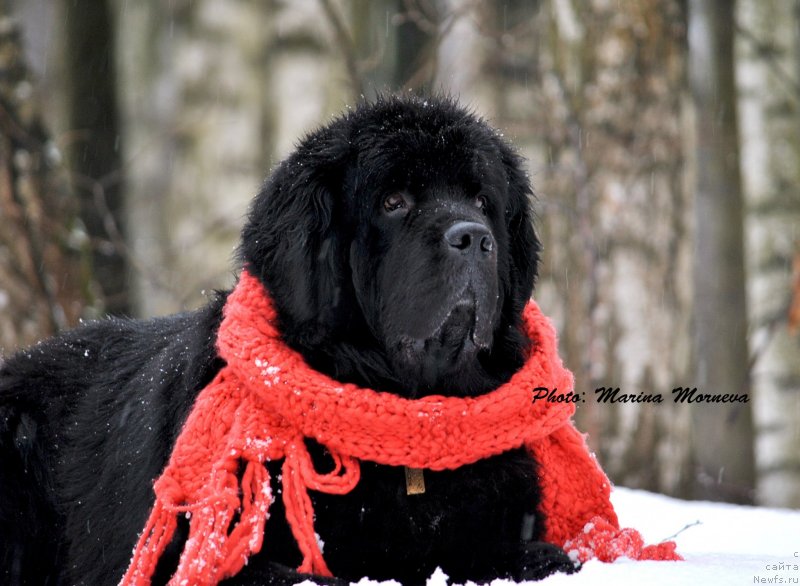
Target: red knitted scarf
(263,404)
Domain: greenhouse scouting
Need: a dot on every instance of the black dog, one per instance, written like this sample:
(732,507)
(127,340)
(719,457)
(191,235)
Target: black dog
(397,246)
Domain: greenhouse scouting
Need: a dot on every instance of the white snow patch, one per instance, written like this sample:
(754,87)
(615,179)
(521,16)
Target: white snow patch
(254,443)
(730,545)
(268,372)
(369,582)
(438,578)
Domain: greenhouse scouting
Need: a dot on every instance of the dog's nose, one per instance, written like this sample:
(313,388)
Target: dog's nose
(469,237)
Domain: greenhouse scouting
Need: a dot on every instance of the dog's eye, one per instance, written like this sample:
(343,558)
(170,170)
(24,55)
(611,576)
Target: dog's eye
(393,202)
(480,202)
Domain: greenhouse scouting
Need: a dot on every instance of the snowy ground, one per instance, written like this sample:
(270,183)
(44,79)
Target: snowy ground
(725,545)
(730,544)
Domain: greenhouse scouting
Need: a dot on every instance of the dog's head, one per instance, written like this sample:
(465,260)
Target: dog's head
(401,231)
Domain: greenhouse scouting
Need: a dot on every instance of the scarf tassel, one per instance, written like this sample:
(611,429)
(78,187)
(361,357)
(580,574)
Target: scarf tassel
(298,476)
(248,535)
(157,534)
(200,560)
(213,551)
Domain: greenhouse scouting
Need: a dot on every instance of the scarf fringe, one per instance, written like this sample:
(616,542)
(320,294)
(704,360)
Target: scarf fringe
(248,536)
(213,550)
(204,549)
(298,476)
(156,535)
(607,542)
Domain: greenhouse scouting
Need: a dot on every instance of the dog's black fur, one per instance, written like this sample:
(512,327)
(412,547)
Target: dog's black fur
(397,246)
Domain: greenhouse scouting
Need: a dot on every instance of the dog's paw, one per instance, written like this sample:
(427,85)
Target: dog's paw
(540,559)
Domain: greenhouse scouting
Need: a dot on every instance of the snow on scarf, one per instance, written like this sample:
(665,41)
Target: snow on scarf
(263,404)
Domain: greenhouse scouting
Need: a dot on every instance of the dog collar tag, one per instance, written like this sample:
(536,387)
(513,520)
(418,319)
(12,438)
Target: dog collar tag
(415,481)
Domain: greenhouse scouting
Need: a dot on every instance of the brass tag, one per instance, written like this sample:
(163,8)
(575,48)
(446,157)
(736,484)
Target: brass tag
(415,481)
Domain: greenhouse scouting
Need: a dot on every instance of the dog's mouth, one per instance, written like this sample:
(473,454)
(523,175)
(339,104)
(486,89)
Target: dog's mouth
(467,317)
(458,329)
(464,329)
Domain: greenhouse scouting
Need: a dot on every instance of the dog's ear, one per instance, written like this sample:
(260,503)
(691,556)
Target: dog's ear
(290,241)
(524,244)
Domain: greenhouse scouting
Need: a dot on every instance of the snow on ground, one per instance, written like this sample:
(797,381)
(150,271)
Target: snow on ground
(723,545)
(730,545)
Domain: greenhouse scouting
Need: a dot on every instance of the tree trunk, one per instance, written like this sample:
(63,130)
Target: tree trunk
(197,138)
(215,92)
(461,54)
(44,279)
(722,434)
(396,43)
(768,55)
(93,141)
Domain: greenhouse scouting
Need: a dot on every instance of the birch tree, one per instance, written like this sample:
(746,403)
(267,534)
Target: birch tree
(768,60)
(214,93)
(722,435)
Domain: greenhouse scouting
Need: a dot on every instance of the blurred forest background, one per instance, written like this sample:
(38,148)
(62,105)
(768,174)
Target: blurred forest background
(663,139)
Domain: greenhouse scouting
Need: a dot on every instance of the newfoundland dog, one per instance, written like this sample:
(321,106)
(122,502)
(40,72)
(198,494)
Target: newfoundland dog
(397,246)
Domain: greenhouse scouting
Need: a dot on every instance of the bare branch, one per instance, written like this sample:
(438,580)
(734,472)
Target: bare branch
(767,51)
(346,46)
(679,531)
